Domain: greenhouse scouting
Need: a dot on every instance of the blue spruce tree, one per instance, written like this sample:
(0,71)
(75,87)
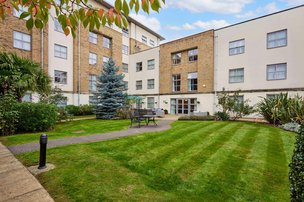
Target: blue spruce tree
(109,96)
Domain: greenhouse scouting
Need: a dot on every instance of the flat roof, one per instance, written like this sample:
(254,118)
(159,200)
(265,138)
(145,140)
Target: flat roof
(108,5)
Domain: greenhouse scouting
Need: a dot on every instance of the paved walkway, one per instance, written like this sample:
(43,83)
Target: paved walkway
(17,183)
(162,125)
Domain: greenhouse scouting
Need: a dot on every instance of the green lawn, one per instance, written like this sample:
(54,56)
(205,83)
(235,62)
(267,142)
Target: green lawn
(193,161)
(69,129)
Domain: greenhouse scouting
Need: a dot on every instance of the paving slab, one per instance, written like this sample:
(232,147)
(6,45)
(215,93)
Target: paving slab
(16,182)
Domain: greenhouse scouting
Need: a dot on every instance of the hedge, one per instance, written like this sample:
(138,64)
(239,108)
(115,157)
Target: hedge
(196,118)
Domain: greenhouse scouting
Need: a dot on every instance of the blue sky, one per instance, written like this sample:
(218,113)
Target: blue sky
(180,18)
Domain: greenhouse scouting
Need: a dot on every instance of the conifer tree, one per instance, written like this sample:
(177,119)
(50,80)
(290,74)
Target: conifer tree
(109,96)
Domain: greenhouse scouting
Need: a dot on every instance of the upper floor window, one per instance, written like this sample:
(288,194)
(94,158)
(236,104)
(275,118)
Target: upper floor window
(192,54)
(105,59)
(92,82)
(60,77)
(125,49)
(192,81)
(152,42)
(93,37)
(237,47)
(21,10)
(277,39)
(176,80)
(144,39)
(139,85)
(277,71)
(57,25)
(236,75)
(176,58)
(61,51)
(125,67)
(106,42)
(125,32)
(150,83)
(150,102)
(151,64)
(92,58)
(22,41)
(139,66)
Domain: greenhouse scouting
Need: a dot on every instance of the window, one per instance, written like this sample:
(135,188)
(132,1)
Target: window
(150,84)
(192,81)
(27,97)
(57,25)
(277,39)
(237,47)
(139,85)
(125,32)
(22,41)
(125,49)
(125,67)
(93,37)
(61,51)
(239,99)
(150,102)
(236,75)
(176,58)
(276,71)
(105,60)
(92,59)
(139,66)
(151,64)
(60,77)
(176,82)
(106,42)
(192,54)
(92,82)
(144,39)
(21,10)
(152,43)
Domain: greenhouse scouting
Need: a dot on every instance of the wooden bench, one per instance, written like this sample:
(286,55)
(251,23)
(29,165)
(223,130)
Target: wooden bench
(138,115)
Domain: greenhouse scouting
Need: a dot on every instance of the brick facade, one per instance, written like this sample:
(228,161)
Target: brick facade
(136,46)
(204,66)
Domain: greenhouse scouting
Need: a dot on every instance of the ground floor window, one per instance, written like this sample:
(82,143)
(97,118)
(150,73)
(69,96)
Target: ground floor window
(150,102)
(183,105)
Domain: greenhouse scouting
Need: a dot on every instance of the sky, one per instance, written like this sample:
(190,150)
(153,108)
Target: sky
(180,18)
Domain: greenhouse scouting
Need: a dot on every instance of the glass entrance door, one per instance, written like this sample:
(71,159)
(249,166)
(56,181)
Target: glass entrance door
(183,106)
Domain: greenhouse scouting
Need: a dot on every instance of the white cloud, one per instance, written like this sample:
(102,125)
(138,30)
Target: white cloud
(201,25)
(294,2)
(271,8)
(150,22)
(217,6)
(267,9)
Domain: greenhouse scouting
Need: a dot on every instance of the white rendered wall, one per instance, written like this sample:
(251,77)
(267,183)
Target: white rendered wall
(257,56)
(136,33)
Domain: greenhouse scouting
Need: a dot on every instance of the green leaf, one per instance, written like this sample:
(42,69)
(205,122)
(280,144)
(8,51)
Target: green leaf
(38,24)
(24,15)
(86,22)
(131,3)
(118,5)
(125,8)
(125,22)
(14,5)
(136,6)
(92,24)
(30,23)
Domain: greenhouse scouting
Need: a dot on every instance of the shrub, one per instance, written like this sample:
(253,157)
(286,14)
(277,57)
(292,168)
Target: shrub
(292,126)
(296,174)
(73,110)
(166,111)
(36,116)
(79,110)
(63,115)
(197,118)
(8,114)
(123,113)
(223,116)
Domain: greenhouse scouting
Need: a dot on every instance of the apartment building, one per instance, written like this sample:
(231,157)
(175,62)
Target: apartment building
(75,63)
(261,57)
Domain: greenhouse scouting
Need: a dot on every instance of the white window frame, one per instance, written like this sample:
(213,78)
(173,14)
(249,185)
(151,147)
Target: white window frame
(152,43)
(106,42)
(237,47)
(176,58)
(125,49)
(92,58)
(105,60)
(93,37)
(144,39)
(139,85)
(125,32)
(60,77)
(150,102)
(125,67)
(235,76)
(57,26)
(275,75)
(150,83)
(139,66)
(60,51)
(92,82)
(22,41)
(192,81)
(151,64)
(176,82)
(193,55)
(275,39)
